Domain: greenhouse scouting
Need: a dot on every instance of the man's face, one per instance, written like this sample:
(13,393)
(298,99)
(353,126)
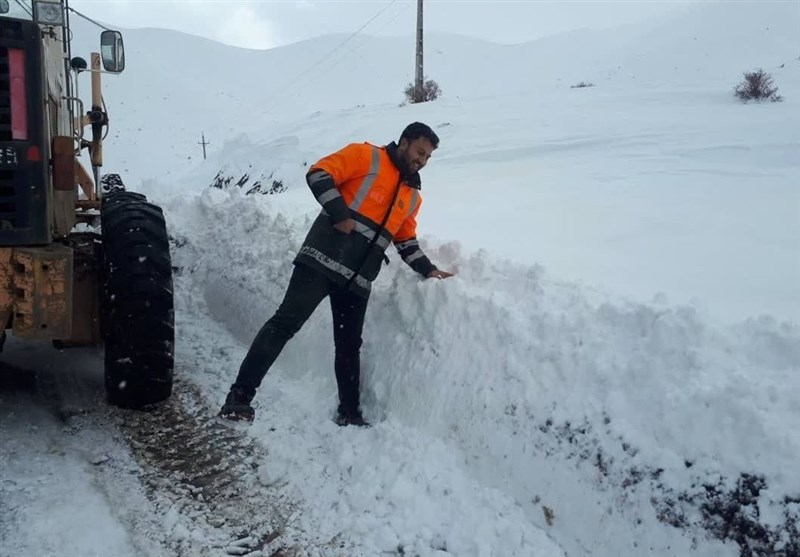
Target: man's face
(414,154)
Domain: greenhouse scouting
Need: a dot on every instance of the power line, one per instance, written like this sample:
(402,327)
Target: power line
(345,55)
(400,12)
(337,47)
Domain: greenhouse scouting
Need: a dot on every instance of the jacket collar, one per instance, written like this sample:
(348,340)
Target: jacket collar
(413,179)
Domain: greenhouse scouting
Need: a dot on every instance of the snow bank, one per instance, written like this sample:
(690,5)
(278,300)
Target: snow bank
(607,423)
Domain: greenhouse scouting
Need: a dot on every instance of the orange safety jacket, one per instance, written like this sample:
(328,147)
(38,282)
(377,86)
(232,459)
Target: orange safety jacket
(362,182)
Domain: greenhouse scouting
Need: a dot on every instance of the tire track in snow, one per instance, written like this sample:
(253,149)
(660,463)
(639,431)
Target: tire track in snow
(204,475)
(179,483)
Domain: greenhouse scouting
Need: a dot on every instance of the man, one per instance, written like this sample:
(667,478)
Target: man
(370,197)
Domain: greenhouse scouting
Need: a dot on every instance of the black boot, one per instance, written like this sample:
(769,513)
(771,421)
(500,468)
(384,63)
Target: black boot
(345,417)
(237,406)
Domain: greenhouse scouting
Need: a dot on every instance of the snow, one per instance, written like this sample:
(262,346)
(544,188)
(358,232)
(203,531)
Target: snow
(614,363)
(53,498)
(47,468)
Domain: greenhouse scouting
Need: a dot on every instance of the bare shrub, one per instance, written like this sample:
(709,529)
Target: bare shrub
(757,86)
(265,185)
(581,85)
(430,92)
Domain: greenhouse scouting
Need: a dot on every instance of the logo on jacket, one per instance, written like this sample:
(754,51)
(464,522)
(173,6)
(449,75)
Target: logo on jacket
(401,204)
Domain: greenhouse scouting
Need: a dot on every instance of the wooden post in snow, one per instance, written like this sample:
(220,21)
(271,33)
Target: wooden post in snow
(204,143)
(418,83)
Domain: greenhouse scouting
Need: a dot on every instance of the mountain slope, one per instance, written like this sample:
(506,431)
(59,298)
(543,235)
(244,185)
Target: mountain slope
(178,85)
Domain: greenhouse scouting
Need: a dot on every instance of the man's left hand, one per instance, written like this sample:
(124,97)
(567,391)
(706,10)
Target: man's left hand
(439,274)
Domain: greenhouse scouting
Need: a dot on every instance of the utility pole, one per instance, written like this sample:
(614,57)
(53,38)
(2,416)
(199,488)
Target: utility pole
(204,143)
(418,82)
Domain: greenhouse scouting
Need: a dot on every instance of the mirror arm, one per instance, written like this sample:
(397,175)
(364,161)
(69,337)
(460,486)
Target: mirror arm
(97,71)
(87,18)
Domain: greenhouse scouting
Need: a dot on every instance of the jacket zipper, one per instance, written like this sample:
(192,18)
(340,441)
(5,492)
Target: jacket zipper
(377,233)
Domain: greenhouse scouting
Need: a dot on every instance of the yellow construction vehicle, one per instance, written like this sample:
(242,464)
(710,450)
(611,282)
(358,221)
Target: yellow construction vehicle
(82,261)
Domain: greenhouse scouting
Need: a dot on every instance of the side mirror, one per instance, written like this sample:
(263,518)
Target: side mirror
(112,51)
(4,7)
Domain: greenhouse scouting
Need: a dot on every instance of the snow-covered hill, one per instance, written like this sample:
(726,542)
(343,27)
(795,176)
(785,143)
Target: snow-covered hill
(659,140)
(177,85)
(613,371)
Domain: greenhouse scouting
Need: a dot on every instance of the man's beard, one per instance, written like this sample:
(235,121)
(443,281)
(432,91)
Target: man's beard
(405,163)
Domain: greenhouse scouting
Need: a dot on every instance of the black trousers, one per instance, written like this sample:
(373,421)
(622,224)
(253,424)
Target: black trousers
(307,288)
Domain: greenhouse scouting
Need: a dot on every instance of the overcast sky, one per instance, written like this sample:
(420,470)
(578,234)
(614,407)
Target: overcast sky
(269,23)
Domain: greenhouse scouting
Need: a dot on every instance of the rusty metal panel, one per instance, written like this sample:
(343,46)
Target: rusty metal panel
(42,292)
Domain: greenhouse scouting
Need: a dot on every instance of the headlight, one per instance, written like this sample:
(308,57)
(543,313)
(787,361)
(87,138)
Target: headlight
(48,13)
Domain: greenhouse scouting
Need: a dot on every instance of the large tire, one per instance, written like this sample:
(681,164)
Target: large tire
(111,183)
(138,312)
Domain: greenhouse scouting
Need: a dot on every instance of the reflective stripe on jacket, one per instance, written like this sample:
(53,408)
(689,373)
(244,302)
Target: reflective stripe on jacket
(360,182)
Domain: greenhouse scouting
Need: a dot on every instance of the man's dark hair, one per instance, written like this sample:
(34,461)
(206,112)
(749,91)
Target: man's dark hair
(417,130)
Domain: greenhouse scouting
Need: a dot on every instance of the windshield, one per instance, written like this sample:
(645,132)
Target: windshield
(20,9)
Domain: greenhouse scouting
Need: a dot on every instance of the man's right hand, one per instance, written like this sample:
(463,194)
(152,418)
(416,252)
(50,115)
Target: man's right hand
(346,226)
